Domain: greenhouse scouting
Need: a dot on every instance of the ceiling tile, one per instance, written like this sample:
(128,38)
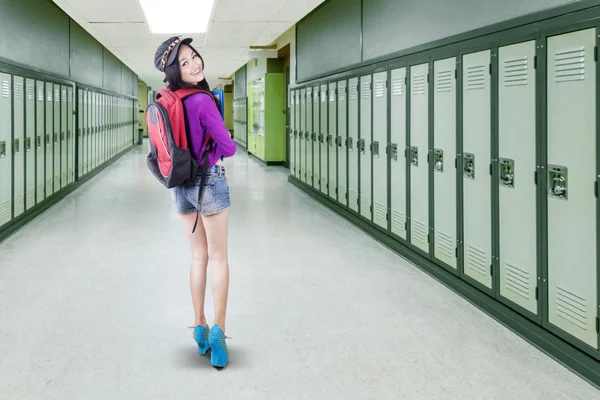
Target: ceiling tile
(271,33)
(244,10)
(109,10)
(234,34)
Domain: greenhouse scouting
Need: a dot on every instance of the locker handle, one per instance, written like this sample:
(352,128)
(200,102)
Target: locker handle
(38,142)
(2,149)
(28,143)
(17,146)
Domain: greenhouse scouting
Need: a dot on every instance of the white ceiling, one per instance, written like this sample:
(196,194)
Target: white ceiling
(236,25)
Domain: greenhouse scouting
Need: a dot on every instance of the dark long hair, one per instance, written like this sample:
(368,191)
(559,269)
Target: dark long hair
(173,76)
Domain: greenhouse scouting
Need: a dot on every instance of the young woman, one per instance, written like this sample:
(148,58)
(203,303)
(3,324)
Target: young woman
(184,68)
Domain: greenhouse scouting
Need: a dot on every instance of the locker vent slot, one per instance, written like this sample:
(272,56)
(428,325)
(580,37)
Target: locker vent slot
(41,94)
(569,65)
(398,87)
(6,89)
(444,245)
(316,97)
(516,72)
(398,221)
(353,92)
(19,202)
(444,81)
(365,204)
(379,88)
(64,96)
(57,95)
(5,211)
(380,212)
(19,91)
(332,95)
(476,261)
(41,190)
(49,94)
(419,232)
(324,96)
(332,186)
(476,77)
(353,197)
(365,91)
(30,197)
(418,84)
(342,193)
(30,92)
(571,307)
(517,281)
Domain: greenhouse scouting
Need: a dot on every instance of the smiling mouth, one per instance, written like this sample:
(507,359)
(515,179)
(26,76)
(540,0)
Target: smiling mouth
(196,73)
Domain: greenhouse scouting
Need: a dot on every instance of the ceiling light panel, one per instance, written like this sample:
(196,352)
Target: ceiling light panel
(177,16)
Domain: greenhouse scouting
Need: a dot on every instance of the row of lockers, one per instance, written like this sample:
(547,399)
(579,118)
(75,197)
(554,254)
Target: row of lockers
(463,161)
(39,150)
(240,130)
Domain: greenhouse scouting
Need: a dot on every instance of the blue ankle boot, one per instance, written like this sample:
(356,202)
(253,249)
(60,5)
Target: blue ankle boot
(201,334)
(216,340)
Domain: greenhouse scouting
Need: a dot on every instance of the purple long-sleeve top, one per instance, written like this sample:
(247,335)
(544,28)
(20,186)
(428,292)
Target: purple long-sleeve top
(203,117)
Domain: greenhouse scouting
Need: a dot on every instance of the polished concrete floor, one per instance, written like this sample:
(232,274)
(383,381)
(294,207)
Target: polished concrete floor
(95,304)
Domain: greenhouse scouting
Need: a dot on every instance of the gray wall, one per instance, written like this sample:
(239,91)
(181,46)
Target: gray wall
(38,35)
(329,38)
(239,83)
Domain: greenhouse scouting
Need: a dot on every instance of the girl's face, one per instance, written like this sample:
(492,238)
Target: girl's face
(190,64)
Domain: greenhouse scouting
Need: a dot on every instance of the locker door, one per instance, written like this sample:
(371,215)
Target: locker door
(5,149)
(397,152)
(353,152)
(297,134)
(18,146)
(95,130)
(63,137)
(365,141)
(309,137)
(572,259)
(332,142)
(517,165)
(303,134)
(324,148)
(84,132)
(40,142)
(418,156)
(444,159)
(476,167)
(80,125)
(342,142)
(292,133)
(49,140)
(315,139)
(70,136)
(380,165)
(57,138)
(29,144)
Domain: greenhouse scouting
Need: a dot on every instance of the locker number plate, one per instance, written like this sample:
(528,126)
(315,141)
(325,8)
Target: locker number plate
(558,182)
(438,160)
(414,156)
(469,166)
(507,172)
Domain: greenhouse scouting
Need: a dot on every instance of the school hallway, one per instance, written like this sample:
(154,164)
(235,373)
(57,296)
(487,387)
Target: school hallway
(317,309)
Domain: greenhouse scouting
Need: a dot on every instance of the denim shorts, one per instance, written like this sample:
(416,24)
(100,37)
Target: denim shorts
(214,199)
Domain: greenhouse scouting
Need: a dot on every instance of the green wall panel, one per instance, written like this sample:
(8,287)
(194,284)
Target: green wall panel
(86,57)
(329,38)
(240,83)
(112,72)
(127,81)
(391,26)
(35,33)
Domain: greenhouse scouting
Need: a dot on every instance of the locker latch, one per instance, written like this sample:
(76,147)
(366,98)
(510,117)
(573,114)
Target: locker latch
(438,160)
(394,155)
(375,149)
(414,155)
(28,144)
(38,142)
(558,182)
(507,172)
(469,166)
(2,149)
(361,146)
(17,146)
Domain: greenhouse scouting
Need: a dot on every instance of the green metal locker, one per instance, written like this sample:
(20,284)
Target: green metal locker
(95,131)
(380,141)
(296,131)
(516,167)
(292,134)
(332,142)
(342,142)
(80,113)
(364,146)
(63,137)
(5,149)
(303,134)
(18,146)
(316,160)
(571,171)
(70,137)
(30,144)
(323,149)
(88,131)
(398,150)
(49,112)
(309,137)
(477,167)
(57,138)
(418,156)
(444,161)
(40,143)
(353,145)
